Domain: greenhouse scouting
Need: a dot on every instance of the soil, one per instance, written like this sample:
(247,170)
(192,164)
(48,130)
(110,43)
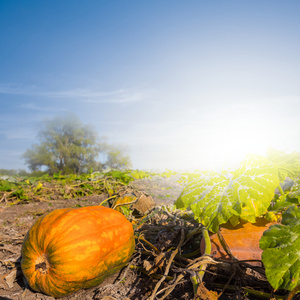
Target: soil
(162,230)
(164,190)
(16,220)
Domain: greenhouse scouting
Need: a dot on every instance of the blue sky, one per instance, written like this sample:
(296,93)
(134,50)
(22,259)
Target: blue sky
(183,84)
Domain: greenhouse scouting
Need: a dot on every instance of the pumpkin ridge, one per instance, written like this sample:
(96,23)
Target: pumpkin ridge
(34,246)
(74,219)
(74,222)
(44,248)
(64,241)
(103,257)
(59,290)
(85,283)
(45,228)
(129,244)
(117,248)
(53,227)
(90,279)
(48,226)
(58,259)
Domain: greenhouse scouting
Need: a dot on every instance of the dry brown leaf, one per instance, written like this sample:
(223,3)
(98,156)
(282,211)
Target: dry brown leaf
(204,294)
(144,204)
(10,278)
(159,260)
(147,265)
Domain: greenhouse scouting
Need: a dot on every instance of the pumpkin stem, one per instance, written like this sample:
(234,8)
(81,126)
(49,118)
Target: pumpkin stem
(42,264)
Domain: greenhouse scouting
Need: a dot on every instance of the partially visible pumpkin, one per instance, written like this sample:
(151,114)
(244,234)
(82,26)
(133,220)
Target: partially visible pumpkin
(242,240)
(72,249)
(123,200)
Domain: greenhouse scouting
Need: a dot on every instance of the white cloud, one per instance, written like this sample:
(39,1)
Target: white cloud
(33,106)
(18,133)
(85,94)
(119,97)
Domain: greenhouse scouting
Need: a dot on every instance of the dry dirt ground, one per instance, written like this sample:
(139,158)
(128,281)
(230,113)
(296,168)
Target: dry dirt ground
(162,230)
(16,220)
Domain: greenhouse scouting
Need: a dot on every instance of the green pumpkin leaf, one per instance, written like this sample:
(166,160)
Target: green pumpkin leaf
(6,186)
(282,202)
(126,211)
(295,191)
(288,164)
(139,174)
(281,254)
(246,193)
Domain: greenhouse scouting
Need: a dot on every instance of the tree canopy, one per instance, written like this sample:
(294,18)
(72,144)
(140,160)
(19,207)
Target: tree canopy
(68,146)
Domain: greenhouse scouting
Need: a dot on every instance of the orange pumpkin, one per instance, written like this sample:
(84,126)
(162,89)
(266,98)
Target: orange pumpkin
(242,240)
(72,249)
(127,198)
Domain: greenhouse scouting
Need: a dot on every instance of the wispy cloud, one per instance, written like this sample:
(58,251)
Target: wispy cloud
(18,133)
(86,94)
(32,106)
(122,96)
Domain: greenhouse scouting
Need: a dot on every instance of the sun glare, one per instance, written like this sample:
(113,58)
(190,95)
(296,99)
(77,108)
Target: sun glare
(227,141)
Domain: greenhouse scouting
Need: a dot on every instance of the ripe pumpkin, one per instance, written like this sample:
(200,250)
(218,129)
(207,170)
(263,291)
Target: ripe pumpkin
(72,249)
(127,198)
(242,240)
